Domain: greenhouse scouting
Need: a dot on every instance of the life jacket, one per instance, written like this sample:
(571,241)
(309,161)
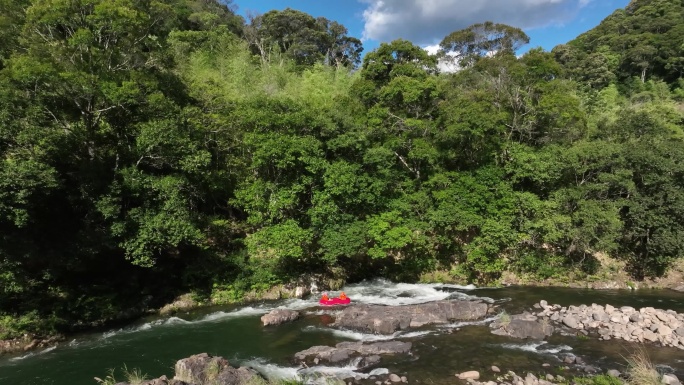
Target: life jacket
(343,296)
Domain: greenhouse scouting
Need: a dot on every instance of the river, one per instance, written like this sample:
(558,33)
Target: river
(153,345)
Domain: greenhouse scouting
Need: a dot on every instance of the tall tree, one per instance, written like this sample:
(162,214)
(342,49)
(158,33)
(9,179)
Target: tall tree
(302,38)
(468,45)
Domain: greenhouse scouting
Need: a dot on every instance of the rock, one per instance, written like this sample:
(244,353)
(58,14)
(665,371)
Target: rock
(680,331)
(524,326)
(664,330)
(470,375)
(394,378)
(650,336)
(203,368)
(389,319)
(544,304)
(614,373)
(670,379)
(601,316)
(571,321)
(279,316)
(344,351)
(663,317)
(496,369)
(404,379)
(550,377)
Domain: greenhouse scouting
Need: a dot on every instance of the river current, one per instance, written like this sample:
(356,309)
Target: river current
(153,345)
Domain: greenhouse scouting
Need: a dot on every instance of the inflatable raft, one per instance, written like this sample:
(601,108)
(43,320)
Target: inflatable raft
(334,301)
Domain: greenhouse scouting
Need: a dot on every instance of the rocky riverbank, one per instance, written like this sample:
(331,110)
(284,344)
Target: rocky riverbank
(665,327)
(28,342)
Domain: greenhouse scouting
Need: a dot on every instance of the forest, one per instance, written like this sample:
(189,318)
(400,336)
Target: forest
(150,148)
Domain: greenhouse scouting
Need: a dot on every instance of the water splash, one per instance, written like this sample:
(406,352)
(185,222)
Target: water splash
(32,354)
(314,375)
(383,292)
(366,337)
(533,347)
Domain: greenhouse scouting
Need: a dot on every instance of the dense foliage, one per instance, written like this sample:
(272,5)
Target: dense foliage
(150,148)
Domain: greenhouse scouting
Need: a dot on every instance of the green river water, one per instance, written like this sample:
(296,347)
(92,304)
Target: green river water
(154,345)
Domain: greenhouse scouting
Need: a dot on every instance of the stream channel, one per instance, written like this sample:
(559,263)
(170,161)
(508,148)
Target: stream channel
(153,345)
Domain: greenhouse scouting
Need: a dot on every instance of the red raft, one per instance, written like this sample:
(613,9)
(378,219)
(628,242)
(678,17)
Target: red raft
(334,301)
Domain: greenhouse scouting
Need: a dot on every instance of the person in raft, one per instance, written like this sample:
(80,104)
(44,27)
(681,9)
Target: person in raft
(325,297)
(343,296)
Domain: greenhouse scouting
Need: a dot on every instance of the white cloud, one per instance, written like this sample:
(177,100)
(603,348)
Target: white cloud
(443,65)
(426,22)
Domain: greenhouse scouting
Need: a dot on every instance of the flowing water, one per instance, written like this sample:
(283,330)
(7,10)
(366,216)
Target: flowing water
(154,345)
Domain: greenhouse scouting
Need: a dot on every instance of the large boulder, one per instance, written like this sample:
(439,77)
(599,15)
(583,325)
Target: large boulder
(524,325)
(279,316)
(203,368)
(389,319)
(346,351)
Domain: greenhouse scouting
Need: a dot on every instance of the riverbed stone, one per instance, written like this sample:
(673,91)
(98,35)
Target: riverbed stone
(522,326)
(664,330)
(279,316)
(394,378)
(203,368)
(390,319)
(571,321)
(345,351)
(469,375)
(670,379)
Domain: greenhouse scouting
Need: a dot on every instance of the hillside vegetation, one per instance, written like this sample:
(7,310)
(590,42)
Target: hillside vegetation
(151,148)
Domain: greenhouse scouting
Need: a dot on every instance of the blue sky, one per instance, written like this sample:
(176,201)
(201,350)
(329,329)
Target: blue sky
(426,22)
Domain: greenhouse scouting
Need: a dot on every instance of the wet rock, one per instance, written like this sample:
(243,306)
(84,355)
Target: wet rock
(344,351)
(469,375)
(203,368)
(279,316)
(670,379)
(523,325)
(390,319)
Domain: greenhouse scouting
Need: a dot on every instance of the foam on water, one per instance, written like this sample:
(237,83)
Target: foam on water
(459,324)
(323,312)
(320,374)
(175,321)
(383,292)
(25,356)
(272,371)
(242,312)
(366,337)
(533,347)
